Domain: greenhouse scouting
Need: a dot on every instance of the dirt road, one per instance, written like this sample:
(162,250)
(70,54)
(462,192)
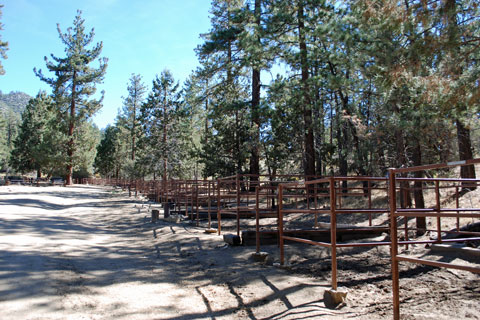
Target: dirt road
(87,252)
(91,253)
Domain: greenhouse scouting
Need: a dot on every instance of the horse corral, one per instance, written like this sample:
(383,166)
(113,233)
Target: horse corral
(333,212)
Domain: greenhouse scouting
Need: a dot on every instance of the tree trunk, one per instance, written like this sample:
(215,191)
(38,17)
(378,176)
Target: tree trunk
(361,162)
(463,133)
(342,134)
(319,120)
(236,152)
(465,153)
(405,197)
(418,191)
(307,107)
(133,130)
(255,153)
(342,155)
(71,127)
(206,114)
(165,139)
(237,143)
(380,161)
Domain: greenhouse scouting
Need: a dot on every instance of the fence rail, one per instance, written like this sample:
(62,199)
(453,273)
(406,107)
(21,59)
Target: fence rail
(329,199)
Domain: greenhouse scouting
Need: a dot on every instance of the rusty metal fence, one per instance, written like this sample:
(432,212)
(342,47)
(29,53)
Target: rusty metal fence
(327,198)
(323,202)
(445,191)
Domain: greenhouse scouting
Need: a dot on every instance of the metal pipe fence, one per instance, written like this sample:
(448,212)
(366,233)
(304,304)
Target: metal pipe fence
(328,198)
(437,211)
(327,202)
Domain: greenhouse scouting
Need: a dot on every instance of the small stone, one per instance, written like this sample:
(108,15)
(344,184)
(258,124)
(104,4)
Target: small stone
(232,239)
(211,230)
(260,256)
(335,299)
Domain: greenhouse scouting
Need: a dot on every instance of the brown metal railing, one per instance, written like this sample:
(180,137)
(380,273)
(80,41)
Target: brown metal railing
(243,196)
(436,211)
(237,196)
(327,197)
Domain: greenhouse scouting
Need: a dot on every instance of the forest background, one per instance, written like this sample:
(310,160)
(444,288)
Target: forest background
(360,86)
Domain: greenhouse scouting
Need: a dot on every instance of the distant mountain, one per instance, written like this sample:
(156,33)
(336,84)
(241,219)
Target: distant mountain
(14,101)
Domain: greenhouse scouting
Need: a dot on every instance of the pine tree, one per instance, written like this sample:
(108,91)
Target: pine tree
(422,56)
(131,111)
(35,147)
(89,137)
(12,123)
(458,64)
(106,158)
(283,142)
(197,101)
(4,152)
(159,119)
(227,148)
(367,85)
(74,83)
(255,58)
(291,27)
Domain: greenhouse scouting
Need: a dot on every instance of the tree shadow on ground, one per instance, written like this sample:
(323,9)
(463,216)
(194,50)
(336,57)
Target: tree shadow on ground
(124,247)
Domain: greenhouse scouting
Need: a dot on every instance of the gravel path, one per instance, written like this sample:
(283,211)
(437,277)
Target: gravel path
(87,252)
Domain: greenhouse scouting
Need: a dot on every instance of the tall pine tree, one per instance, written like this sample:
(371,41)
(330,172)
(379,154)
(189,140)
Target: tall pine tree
(74,84)
(35,147)
(226,149)
(106,161)
(159,118)
(128,118)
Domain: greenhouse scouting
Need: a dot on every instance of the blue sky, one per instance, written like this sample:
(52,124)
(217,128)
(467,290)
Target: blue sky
(143,37)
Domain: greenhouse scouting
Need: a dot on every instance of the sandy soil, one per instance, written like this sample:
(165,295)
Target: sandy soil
(87,252)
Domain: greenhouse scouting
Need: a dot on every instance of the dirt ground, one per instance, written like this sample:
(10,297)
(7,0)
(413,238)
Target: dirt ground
(88,252)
